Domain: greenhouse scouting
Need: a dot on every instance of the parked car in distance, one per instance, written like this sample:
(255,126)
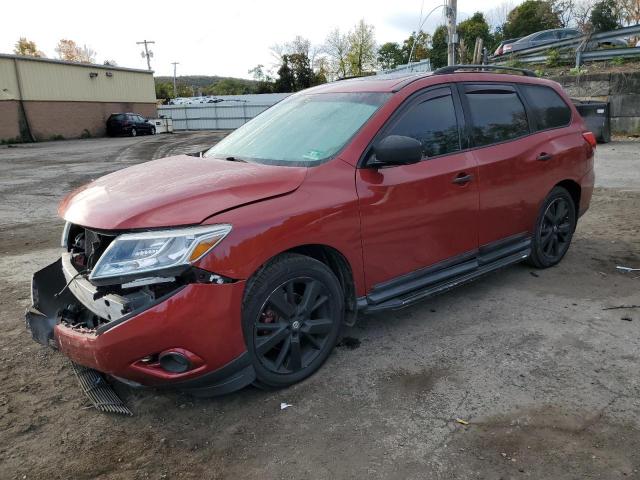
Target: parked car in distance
(241,267)
(500,50)
(131,124)
(554,35)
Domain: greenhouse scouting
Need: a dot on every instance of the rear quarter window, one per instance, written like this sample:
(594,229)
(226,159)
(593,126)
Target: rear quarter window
(548,108)
(496,116)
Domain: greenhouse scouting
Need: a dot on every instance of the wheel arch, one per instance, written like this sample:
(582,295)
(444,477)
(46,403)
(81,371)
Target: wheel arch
(337,263)
(574,190)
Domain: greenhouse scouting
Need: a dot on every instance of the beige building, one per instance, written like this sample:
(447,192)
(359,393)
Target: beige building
(41,99)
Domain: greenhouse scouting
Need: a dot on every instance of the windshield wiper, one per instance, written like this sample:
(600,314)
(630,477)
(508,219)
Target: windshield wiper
(235,159)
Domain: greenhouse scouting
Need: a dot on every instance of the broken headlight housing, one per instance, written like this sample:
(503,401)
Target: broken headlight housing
(161,250)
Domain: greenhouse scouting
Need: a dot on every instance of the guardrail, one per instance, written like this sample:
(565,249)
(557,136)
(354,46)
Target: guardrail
(576,47)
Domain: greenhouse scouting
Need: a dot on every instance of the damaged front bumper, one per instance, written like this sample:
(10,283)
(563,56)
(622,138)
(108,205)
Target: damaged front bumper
(200,320)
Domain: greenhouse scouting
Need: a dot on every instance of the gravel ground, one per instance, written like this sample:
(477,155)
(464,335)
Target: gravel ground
(543,377)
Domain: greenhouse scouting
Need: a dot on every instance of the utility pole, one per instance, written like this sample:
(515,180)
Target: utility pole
(452,11)
(147,53)
(175,90)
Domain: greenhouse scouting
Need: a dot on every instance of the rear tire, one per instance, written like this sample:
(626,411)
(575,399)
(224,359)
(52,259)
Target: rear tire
(554,229)
(292,313)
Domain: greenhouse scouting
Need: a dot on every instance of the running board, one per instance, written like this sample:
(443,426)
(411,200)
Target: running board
(441,287)
(98,390)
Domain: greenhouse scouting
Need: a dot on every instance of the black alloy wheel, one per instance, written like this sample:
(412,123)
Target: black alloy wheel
(554,230)
(295,325)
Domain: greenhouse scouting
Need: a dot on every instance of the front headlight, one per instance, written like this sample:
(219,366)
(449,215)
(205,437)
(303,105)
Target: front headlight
(136,253)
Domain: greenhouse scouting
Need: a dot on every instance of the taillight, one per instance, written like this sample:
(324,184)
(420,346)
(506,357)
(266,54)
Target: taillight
(590,138)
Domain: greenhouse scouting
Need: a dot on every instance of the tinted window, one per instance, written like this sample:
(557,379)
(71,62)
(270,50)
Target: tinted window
(496,116)
(549,110)
(433,123)
(543,37)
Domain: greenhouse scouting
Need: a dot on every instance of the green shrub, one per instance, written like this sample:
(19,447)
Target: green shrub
(618,61)
(553,58)
(56,137)
(85,134)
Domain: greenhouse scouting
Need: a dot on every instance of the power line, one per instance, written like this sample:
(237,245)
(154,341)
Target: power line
(147,53)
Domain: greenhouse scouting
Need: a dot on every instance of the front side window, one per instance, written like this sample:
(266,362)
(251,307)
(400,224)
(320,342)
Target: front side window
(433,123)
(549,110)
(304,129)
(496,116)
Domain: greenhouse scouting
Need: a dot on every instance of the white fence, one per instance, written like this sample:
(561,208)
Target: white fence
(210,116)
(230,113)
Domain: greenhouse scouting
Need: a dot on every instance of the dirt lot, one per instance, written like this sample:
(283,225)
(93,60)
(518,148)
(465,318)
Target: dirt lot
(546,377)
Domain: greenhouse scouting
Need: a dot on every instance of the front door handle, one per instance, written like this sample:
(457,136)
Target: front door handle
(462,178)
(543,157)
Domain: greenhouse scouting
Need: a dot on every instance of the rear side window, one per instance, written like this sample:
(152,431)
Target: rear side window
(549,110)
(433,123)
(496,116)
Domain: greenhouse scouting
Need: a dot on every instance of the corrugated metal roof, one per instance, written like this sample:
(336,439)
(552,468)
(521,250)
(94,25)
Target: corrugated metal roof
(63,62)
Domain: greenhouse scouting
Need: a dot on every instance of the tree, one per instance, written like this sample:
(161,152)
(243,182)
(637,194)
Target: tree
(27,48)
(565,11)
(439,47)
(286,81)
(303,76)
(630,10)
(420,46)
(529,17)
(498,15)
(110,63)
(336,47)
(582,14)
(164,91)
(472,28)
(605,16)
(69,51)
(390,55)
(227,86)
(265,82)
(362,49)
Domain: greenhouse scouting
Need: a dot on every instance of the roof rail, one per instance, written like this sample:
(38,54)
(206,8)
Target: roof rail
(456,68)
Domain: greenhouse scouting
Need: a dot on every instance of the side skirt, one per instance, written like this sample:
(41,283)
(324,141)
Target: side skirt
(416,286)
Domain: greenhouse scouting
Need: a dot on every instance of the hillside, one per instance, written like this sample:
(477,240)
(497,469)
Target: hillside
(205,84)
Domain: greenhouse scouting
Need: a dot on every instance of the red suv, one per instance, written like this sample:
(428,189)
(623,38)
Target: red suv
(241,266)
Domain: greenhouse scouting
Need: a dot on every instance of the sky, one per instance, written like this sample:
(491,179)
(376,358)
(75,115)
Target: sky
(208,37)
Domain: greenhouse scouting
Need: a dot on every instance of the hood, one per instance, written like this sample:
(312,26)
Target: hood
(174,191)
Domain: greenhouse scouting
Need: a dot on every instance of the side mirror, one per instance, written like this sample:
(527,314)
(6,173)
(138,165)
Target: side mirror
(398,150)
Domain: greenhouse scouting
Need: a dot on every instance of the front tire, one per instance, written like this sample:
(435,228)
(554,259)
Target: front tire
(554,229)
(292,314)
(133,132)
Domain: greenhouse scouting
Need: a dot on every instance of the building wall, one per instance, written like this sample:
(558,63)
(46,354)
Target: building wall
(65,99)
(71,119)
(9,120)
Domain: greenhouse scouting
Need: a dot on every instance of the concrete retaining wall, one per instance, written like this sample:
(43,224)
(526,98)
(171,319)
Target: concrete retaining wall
(621,90)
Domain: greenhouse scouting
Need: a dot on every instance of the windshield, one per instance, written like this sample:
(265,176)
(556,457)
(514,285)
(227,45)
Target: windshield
(302,130)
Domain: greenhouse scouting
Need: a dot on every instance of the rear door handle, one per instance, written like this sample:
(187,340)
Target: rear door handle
(462,178)
(543,157)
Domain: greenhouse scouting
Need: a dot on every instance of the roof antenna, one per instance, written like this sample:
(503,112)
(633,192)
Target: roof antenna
(421,23)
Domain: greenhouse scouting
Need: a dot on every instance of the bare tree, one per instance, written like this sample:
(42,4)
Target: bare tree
(71,52)
(581,14)
(497,16)
(336,47)
(630,11)
(565,10)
